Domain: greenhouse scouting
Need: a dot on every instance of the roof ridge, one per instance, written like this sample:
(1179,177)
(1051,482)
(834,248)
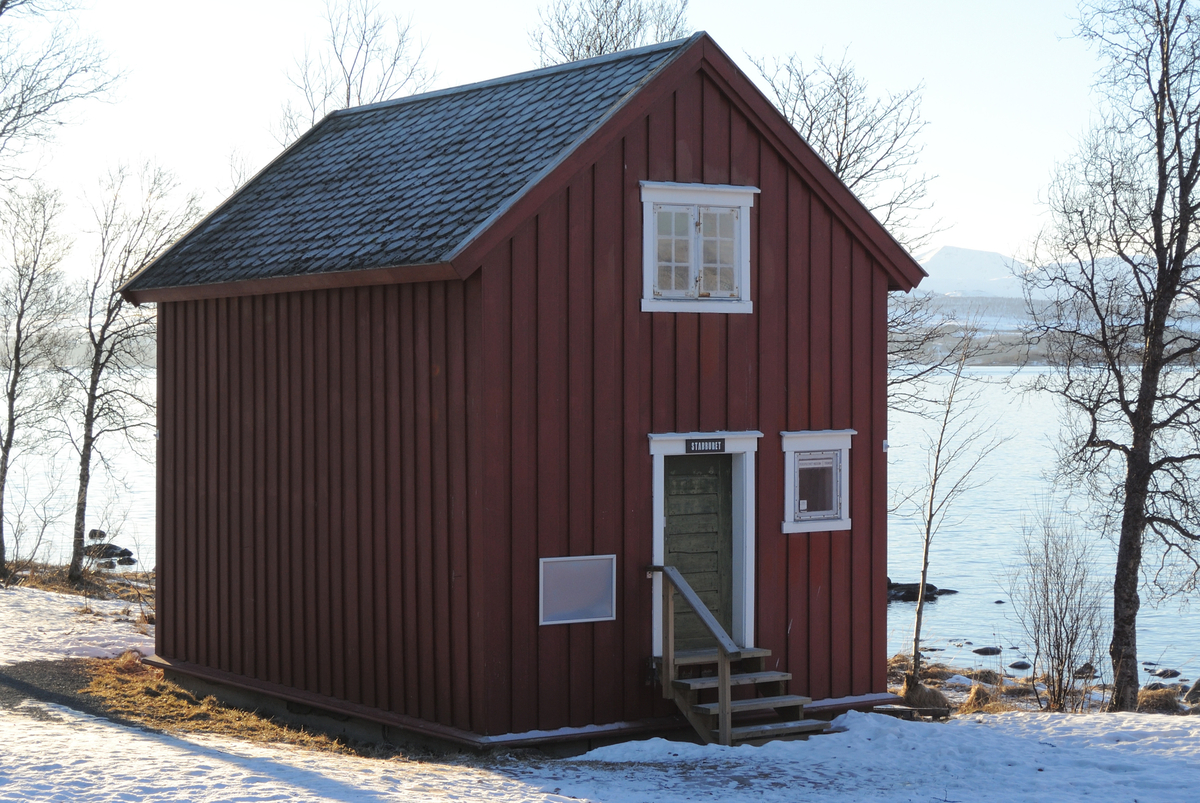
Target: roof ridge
(521,76)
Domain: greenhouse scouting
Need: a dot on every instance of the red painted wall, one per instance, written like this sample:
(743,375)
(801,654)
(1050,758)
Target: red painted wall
(355,485)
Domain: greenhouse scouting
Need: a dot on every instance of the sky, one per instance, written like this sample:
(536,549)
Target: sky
(1006,87)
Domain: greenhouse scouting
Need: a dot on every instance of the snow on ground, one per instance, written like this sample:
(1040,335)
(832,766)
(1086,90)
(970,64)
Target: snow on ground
(40,625)
(54,753)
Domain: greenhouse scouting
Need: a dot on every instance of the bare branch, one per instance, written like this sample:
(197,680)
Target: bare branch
(367,56)
(872,142)
(572,30)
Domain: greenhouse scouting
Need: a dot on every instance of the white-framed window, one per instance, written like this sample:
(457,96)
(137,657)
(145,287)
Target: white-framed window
(816,480)
(577,589)
(696,247)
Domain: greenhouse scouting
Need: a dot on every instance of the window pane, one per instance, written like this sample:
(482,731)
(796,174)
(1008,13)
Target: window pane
(726,252)
(578,589)
(709,282)
(709,227)
(815,485)
(710,252)
(664,277)
(726,280)
(664,223)
(683,224)
(681,277)
(683,251)
(664,249)
(727,223)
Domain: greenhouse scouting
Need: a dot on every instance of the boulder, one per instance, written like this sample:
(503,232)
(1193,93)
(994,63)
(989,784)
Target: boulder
(1165,673)
(986,650)
(1193,694)
(97,535)
(106,552)
(907,592)
(1085,672)
(1020,665)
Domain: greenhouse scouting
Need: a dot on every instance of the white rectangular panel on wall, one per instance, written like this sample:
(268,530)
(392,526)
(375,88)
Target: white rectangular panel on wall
(578,589)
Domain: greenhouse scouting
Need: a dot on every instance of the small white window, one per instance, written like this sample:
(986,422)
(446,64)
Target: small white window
(696,247)
(816,481)
(582,589)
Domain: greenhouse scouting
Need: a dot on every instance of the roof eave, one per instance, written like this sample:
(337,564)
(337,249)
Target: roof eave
(395,274)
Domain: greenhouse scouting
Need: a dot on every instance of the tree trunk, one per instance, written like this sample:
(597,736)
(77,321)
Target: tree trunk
(75,572)
(1126,600)
(915,672)
(3,547)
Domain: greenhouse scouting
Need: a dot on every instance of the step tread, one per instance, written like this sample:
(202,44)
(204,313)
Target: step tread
(775,729)
(754,704)
(738,679)
(688,657)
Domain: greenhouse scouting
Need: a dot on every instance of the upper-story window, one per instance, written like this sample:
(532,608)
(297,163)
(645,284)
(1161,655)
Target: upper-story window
(696,247)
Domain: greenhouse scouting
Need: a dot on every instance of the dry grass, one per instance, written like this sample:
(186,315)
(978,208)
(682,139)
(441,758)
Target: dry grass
(922,696)
(1159,701)
(138,693)
(988,676)
(101,585)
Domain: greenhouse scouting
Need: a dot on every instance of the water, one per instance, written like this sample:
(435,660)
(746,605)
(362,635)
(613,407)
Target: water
(979,544)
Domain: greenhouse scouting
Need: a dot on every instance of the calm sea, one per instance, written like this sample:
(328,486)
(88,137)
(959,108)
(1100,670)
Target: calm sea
(979,544)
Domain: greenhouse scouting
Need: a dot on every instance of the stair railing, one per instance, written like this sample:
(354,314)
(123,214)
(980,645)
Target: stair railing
(727,650)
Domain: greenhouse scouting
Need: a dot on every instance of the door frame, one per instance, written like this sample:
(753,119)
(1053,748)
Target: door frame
(742,445)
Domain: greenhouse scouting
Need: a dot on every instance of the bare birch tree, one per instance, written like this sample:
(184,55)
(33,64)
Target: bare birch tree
(571,30)
(954,452)
(1121,329)
(34,307)
(1059,606)
(45,66)
(367,56)
(137,217)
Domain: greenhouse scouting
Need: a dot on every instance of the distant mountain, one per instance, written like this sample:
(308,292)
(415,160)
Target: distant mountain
(957,271)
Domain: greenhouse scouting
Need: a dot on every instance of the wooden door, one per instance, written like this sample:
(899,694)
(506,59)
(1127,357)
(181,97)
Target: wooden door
(698,540)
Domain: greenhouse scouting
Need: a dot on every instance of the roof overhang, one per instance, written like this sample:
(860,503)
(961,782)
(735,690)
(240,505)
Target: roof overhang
(402,274)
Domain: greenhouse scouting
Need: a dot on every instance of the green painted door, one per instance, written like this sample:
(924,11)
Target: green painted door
(698,540)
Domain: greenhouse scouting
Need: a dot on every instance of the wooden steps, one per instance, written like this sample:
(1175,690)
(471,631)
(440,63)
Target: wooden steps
(774,730)
(739,679)
(755,704)
(773,713)
(702,682)
(691,657)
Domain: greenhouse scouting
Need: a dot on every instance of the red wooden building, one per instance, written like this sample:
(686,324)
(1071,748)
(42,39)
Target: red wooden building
(615,311)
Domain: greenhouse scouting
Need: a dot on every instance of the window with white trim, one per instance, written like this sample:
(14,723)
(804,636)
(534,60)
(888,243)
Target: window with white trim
(816,480)
(696,255)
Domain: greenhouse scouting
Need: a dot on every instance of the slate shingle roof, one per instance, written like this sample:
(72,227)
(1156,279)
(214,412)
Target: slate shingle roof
(403,182)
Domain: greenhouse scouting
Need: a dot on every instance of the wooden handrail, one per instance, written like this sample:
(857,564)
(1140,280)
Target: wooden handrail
(727,650)
(707,619)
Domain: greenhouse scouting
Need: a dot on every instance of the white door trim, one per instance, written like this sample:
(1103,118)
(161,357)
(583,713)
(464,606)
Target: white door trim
(742,445)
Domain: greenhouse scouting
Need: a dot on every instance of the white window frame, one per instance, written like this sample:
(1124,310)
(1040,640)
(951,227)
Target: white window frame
(696,196)
(610,559)
(742,445)
(799,443)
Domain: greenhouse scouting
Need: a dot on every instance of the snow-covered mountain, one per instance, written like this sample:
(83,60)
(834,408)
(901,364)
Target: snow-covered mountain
(957,271)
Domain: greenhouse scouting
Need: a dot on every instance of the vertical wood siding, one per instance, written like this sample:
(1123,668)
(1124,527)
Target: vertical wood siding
(576,376)
(313,498)
(356,485)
